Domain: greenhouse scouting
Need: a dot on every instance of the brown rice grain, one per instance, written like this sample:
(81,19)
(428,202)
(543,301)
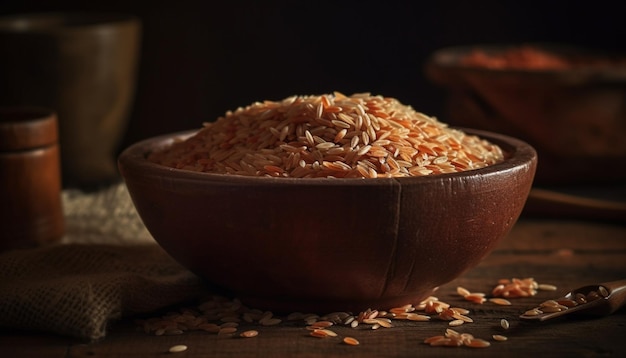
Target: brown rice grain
(329,333)
(432,339)
(351,341)
(476,297)
(456,323)
(460,310)
(441,341)
(533,312)
(417,317)
(462,291)
(551,309)
(249,333)
(227,330)
(322,324)
(177,348)
(546,287)
(384,322)
(322,333)
(504,324)
(477,343)
(500,301)
(567,302)
(230,319)
(209,327)
(463,318)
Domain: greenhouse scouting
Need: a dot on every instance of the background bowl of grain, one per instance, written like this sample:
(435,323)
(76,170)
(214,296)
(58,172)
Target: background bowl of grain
(327,244)
(568,102)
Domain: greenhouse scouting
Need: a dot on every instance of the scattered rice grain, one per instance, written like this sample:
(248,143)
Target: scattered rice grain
(546,287)
(323,333)
(462,291)
(322,324)
(504,324)
(533,312)
(227,330)
(177,348)
(351,341)
(478,343)
(500,301)
(476,297)
(499,337)
(249,333)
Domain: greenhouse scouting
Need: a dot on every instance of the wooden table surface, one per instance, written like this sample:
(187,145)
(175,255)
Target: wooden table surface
(564,253)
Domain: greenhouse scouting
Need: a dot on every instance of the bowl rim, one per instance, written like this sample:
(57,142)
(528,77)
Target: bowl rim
(518,153)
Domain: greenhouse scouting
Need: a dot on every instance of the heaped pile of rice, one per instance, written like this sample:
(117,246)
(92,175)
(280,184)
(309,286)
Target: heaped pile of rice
(331,135)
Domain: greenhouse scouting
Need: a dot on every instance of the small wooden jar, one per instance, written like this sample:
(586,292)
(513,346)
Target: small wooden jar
(31,212)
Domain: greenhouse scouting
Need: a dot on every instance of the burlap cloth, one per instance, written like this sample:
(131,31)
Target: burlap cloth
(107,267)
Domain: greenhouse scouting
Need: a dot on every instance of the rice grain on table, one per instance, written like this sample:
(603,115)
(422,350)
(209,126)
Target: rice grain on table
(504,324)
(331,135)
(351,341)
(249,333)
(499,337)
(177,348)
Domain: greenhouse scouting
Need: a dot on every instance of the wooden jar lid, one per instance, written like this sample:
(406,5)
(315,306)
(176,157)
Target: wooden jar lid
(24,128)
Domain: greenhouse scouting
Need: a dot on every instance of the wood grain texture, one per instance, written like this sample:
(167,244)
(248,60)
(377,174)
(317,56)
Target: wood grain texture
(567,254)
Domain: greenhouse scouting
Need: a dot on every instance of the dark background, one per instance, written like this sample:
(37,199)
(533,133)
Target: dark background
(201,58)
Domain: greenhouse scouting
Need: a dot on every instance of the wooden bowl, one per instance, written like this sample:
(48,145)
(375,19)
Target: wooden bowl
(574,115)
(325,244)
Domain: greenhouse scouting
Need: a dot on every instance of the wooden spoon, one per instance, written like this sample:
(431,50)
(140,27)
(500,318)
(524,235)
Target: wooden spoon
(593,300)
